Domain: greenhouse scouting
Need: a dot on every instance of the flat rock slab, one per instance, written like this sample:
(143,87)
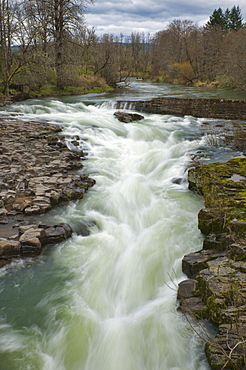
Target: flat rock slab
(34,166)
(37,172)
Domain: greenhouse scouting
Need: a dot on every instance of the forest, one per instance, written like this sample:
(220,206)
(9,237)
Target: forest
(46,48)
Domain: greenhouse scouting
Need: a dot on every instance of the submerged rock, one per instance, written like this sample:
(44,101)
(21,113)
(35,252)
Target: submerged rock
(82,228)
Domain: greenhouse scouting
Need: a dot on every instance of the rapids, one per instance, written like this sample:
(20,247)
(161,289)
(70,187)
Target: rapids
(107,301)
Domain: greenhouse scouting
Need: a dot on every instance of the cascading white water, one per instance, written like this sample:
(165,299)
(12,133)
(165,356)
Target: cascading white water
(108,301)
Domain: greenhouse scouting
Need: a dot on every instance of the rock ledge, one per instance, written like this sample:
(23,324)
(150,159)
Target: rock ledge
(218,271)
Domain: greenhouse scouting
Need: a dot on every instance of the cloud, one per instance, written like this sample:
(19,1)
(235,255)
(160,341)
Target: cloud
(150,16)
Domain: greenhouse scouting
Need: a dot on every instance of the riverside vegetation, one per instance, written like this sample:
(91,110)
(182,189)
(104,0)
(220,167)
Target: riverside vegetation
(47,49)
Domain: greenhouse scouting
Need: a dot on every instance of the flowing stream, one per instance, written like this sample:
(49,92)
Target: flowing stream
(107,301)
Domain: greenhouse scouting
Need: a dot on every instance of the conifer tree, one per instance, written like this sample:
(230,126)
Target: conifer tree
(231,20)
(217,19)
(235,20)
(227,17)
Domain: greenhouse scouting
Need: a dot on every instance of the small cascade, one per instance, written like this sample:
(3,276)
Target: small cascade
(119,105)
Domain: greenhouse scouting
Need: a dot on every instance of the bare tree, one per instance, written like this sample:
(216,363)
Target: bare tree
(67,17)
(233,57)
(6,36)
(56,22)
(112,59)
(173,49)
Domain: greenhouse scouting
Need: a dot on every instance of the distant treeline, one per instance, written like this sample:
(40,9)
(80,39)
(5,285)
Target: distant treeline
(46,48)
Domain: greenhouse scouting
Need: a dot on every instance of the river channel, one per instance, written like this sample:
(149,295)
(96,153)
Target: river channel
(107,301)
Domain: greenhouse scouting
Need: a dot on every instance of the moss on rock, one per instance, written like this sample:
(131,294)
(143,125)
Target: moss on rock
(220,268)
(223,187)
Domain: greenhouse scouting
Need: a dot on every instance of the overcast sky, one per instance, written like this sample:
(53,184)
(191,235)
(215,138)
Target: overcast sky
(151,16)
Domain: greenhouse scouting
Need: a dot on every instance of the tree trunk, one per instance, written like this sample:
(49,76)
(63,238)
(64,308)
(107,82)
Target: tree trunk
(59,31)
(5,34)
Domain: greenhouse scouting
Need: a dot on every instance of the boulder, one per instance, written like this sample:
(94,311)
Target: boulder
(33,236)
(128,117)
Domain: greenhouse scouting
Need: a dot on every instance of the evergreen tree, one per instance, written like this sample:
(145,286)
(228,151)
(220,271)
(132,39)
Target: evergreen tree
(235,21)
(216,19)
(227,17)
(230,20)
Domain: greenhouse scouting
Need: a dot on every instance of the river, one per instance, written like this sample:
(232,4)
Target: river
(107,301)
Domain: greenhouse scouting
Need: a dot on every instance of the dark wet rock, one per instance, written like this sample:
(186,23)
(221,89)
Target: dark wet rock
(4,262)
(58,233)
(75,142)
(128,117)
(186,288)
(194,262)
(192,306)
(32,241)
(213,241)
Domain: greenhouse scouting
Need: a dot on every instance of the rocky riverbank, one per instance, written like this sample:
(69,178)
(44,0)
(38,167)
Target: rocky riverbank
(37,172)
(216,290)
